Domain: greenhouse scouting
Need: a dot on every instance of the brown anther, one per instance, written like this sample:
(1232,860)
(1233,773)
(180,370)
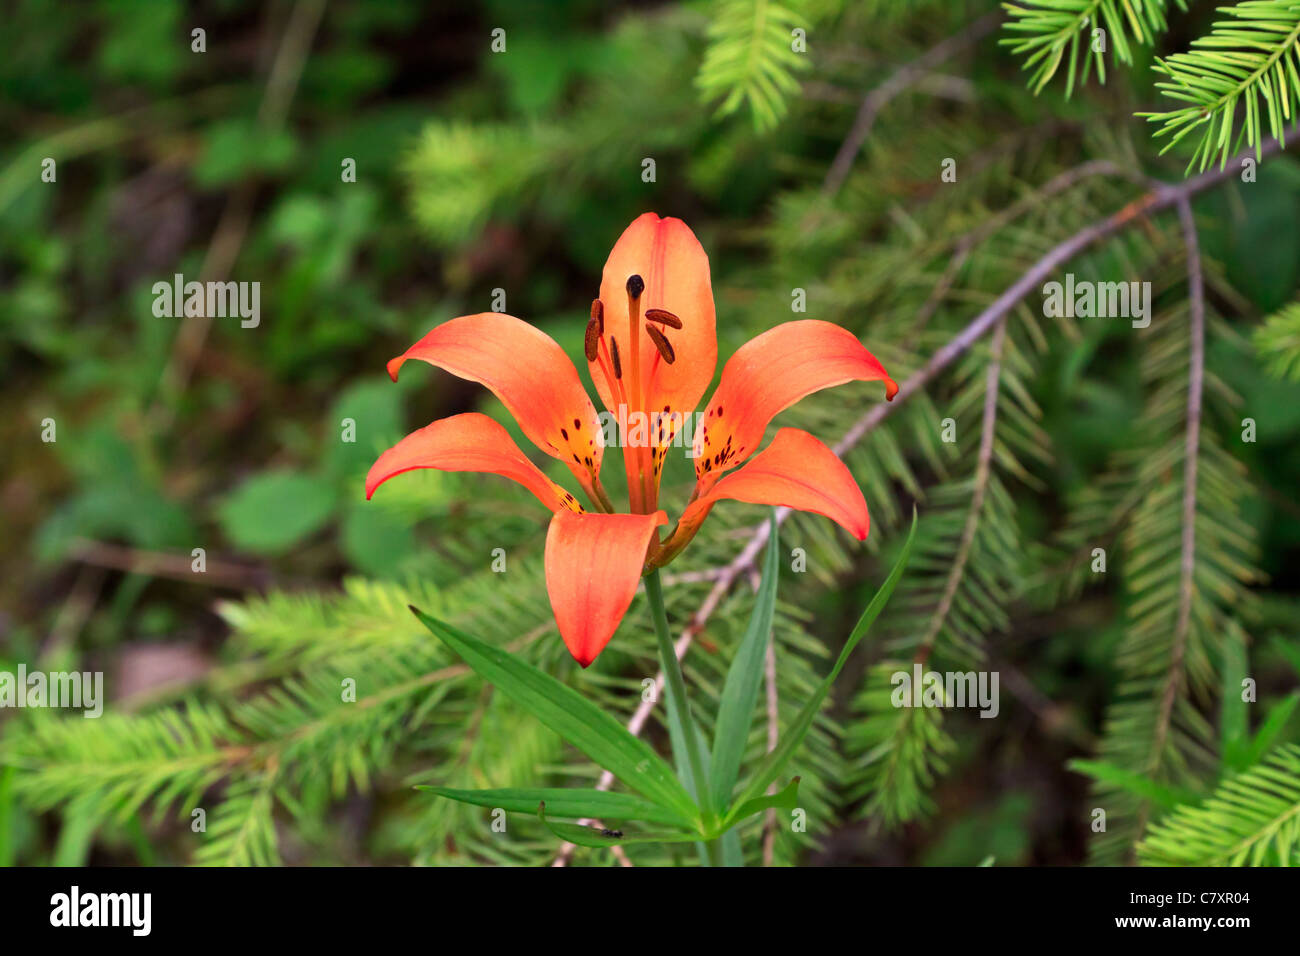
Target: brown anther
(663,317)
(661,343)
(591,344)
(635,286)
(613,354)
(598,315)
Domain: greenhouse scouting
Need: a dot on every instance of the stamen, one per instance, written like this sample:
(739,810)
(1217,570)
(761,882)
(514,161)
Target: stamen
(661,343)
(613,354)
(598,315)
(663,317)
(635,286)
(591,344)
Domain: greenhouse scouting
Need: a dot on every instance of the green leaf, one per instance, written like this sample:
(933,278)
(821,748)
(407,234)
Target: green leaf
(590,836)
(1135,783)
(572,716)
(790,740)
(564,802)
(235,148)
(732,854)
(1288,650)
(1234,723)
(1271,729)
(683,764)
(784,799)
(274,510)
(7,838)
(376,540)
(374,408)
(80,823)
(740,692)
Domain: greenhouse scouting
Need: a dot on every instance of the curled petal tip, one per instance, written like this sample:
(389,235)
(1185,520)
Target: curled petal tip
(393,365)
(891,389)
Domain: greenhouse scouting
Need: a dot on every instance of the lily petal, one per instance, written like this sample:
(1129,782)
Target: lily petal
(768,374)
(468,442)
(675,269)
(530,373)
(593,564)
(798,471)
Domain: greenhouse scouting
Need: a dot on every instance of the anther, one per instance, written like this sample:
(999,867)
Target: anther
(663,317)
(661,343)
(635,286)
(591,344)
(613,354)
(598,315)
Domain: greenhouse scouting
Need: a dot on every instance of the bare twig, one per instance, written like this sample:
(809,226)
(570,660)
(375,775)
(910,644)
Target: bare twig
(75,612)
(902,78)
(179,567)
(1157,199)
(1187,571)
(963,246)
(983,467)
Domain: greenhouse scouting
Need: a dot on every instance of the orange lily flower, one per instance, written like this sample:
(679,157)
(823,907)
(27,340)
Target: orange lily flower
(651,349)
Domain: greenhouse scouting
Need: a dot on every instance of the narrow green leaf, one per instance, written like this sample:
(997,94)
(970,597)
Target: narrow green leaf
(590,836)
(740,692)
(1234,723)
(7,816)
(570,803)
(784,799)
(1271,729)
(77,834)
(572,716)
(732,854)
(1135,783)
(775,762)
(684,773)
(1289,650)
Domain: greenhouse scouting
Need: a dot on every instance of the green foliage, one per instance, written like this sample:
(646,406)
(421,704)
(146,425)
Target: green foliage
(740,692)
(903,750)
(1078,33)
(1250,57)
(275,510)
(1250,820)
(751,59)
(1278,343)
(576,719)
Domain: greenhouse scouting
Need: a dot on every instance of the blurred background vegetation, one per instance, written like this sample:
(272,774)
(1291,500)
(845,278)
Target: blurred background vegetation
(516,170)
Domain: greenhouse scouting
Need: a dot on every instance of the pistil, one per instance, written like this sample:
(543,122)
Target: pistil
(636,286)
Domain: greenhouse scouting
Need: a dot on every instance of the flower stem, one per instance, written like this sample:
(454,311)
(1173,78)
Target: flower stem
(679,709)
